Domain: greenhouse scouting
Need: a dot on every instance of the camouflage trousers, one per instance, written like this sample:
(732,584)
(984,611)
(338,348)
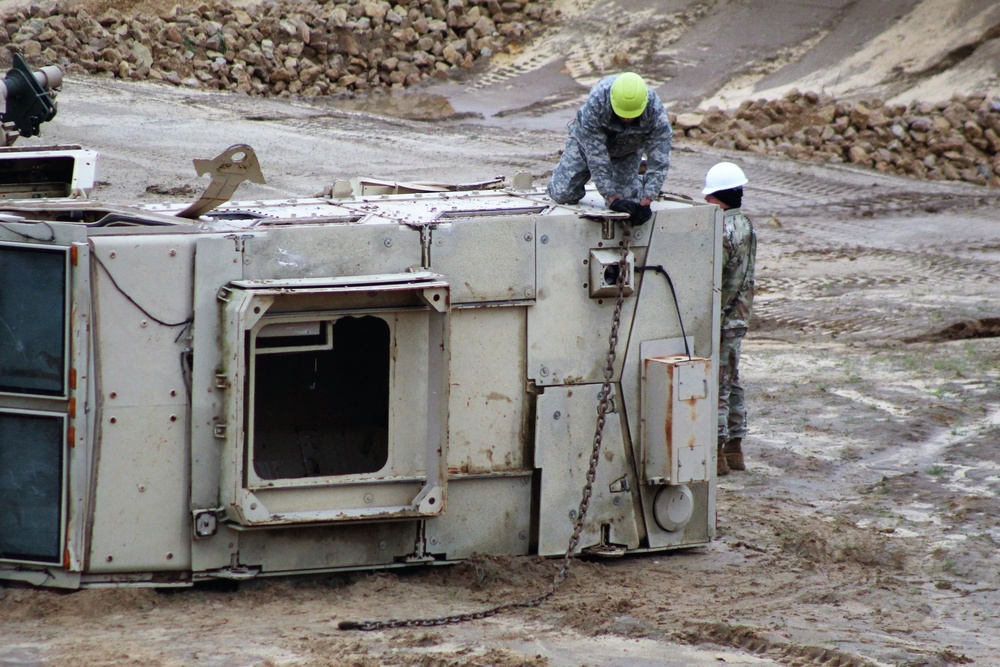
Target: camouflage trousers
(732,409)
(573,172)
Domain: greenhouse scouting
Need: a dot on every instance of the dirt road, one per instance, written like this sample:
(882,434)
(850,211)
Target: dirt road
(863,533)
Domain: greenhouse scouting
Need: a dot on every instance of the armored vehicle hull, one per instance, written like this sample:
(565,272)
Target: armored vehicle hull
(388,375)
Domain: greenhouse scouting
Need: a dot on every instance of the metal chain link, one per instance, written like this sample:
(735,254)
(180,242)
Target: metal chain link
(604,400)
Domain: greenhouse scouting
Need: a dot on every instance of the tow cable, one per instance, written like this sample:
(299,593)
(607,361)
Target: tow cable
(604,400)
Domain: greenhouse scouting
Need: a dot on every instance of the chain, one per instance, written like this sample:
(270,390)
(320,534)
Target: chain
(603,406)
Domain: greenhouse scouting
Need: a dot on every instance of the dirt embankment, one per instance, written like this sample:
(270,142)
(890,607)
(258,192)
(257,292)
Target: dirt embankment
(957,140)
(274,48)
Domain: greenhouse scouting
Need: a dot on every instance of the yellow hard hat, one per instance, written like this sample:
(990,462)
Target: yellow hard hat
(629,95)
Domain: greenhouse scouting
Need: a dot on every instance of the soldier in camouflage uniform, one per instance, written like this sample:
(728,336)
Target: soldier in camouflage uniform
(724,187)
(621,120)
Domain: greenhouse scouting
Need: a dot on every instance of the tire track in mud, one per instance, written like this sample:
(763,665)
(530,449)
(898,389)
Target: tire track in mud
(832,302)
(788,653)
(638,39)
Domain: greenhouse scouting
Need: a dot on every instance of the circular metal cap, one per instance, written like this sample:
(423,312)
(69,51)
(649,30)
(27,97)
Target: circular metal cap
(673,507)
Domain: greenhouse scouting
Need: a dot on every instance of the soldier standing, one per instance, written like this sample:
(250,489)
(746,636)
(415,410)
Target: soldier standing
(621,120)
(724,187)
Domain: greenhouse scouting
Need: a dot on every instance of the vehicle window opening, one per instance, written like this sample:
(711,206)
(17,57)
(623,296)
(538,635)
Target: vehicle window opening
(36,178)
(319,413)
(31,458)
(33,320)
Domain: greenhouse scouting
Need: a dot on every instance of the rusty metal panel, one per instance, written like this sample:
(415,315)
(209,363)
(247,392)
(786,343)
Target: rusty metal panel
(503,269)
(563,443)
(141,470)
(327,548)
(677,420)
(140,514)
(486,515)
(329,251)
(488,401)
(567,329)
(143,296)
(687,243)
(218,260)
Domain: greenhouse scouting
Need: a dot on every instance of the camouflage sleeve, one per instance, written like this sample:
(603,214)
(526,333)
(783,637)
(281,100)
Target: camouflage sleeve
(727,243)
(593,138)
(658,151)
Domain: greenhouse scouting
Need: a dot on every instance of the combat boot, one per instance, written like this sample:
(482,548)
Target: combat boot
(733,453)
(721,465)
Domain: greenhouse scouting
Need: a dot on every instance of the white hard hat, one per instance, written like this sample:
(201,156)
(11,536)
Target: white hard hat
(723,176)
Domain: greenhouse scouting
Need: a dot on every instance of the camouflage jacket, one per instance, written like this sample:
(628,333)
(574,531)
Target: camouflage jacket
(739,257)
(603,136)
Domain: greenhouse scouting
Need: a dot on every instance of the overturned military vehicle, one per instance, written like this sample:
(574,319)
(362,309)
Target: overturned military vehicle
(391,374)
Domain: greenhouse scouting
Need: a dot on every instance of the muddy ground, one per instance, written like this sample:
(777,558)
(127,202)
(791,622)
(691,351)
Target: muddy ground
(864,532)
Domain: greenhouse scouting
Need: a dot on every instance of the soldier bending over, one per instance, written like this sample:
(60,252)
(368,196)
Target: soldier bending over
(621,120)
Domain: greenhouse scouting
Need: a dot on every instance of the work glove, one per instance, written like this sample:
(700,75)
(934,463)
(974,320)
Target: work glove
(641,214)
(637,214)
(623,205)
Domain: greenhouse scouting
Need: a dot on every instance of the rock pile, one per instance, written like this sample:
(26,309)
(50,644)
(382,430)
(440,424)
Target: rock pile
(280,47)
(954,140)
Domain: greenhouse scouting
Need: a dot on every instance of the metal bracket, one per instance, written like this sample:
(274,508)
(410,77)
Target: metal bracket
(426,232)
(619,485)
(437,298)
(237,573)
(607,220)
(228,169)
